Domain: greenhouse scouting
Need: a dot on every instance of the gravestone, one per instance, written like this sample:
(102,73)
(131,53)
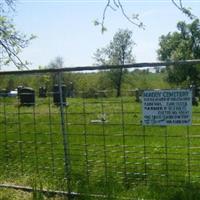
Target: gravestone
(195,94)
(56,95)
(26,96)
(138,95)
(4,93)
(42,92)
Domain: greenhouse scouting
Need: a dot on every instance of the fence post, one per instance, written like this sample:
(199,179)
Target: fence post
(67,168)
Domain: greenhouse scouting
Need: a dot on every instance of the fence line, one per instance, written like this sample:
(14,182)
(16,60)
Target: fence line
(93,147)
(103,67)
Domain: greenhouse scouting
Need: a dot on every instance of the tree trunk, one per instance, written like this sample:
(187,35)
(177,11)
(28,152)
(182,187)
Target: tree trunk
(119,83)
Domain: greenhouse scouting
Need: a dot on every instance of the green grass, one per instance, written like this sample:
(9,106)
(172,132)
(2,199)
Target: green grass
(119,158)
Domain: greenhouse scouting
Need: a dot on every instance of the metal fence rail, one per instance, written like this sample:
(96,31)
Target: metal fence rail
(104,67)
(93,147)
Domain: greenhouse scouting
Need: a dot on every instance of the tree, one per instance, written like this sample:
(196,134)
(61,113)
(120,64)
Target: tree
(117,5)
(57,63)
(182,45)
(118,52)
(11,41)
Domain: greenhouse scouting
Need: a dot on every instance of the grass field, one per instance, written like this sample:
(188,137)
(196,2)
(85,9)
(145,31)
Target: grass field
(117,157)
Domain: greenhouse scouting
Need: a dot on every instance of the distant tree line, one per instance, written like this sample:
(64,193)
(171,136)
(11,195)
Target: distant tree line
(182,44)
(89,85)
(12,41)
(179,45)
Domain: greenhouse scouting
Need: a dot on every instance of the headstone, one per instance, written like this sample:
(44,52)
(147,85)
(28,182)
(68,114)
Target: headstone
(42,92)
(26,96)
(194,89)
(70,89)
(138,95)
(19,89)
(56,95)
(4,93)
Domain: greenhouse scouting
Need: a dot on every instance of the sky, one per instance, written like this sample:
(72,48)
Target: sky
(65,28)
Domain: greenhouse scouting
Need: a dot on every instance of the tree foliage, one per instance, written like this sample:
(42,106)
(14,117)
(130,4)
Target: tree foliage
(11,41)
(117,5)
(182,45)
(118,52)
(57,63)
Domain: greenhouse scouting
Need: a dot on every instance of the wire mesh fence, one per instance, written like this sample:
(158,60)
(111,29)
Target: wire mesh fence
(92,147)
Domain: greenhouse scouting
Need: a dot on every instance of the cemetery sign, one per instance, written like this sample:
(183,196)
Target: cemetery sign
(167,107)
